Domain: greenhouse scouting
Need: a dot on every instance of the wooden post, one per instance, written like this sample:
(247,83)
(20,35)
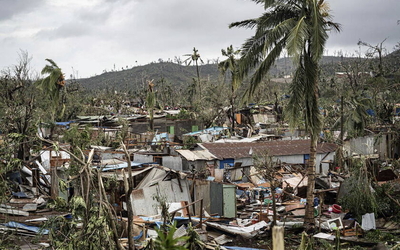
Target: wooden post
(278,242)
(201,214)
(54,182)
(36,180)
(35,177)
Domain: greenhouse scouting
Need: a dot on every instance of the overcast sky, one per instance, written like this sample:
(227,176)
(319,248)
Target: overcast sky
(85,37)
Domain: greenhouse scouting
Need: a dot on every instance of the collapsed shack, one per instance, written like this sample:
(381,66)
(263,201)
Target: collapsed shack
(254,200)
(27,207)
(222,205)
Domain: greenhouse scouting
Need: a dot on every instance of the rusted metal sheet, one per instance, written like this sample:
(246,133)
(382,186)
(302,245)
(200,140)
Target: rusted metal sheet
(275,148)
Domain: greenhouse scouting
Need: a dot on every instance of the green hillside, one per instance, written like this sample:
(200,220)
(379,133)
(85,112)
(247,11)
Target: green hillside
(136,77)
(181,75)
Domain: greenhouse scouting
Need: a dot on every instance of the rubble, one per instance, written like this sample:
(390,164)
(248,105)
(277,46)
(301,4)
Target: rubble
(210,193)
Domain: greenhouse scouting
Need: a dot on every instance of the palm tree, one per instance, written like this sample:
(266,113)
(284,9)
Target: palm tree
(195,57)
(231,64)
(52,84)
(301,28)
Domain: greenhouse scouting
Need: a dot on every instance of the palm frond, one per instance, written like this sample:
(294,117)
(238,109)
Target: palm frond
(265,65)
(295,106)
(250,23)
(53,64)
(51,84)
(319,32)
(297,38)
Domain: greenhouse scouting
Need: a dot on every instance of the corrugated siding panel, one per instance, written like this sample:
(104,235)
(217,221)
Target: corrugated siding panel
(172,162)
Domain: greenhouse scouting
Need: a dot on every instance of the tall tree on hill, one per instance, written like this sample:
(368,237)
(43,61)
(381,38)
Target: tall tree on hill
(301,28)
(195,58)
(150,103)
(231,64)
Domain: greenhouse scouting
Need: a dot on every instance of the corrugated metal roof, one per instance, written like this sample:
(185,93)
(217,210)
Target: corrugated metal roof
(119,176)
(275,148)
(196,155)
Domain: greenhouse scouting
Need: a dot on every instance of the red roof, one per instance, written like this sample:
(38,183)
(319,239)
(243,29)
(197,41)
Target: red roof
(275,148)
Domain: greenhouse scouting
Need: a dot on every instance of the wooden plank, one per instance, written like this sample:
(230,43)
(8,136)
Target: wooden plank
(289,208)
(299,212)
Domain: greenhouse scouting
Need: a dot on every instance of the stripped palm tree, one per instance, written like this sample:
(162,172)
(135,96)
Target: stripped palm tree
(195,58)
(231,64)
(301,28)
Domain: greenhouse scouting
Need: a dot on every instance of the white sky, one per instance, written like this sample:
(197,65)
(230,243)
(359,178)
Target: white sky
(89,36)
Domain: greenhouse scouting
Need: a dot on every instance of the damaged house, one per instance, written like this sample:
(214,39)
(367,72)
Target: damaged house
(222,155)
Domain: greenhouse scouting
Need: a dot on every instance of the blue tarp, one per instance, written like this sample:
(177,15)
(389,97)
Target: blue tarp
(17,225)
(159,137)
(138,236)
(65,124)
(19,194)
(370,112)
(212,131)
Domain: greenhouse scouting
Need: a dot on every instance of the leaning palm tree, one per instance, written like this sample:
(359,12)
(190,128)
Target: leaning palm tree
(52,84)
(231,64)
(301,28)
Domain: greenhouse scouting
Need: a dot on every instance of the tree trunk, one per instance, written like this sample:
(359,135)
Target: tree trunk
(340,151)
(274,217)
(233,112)
(128,183)
(107,209)
(198,78)
(309,215)
(151,120)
